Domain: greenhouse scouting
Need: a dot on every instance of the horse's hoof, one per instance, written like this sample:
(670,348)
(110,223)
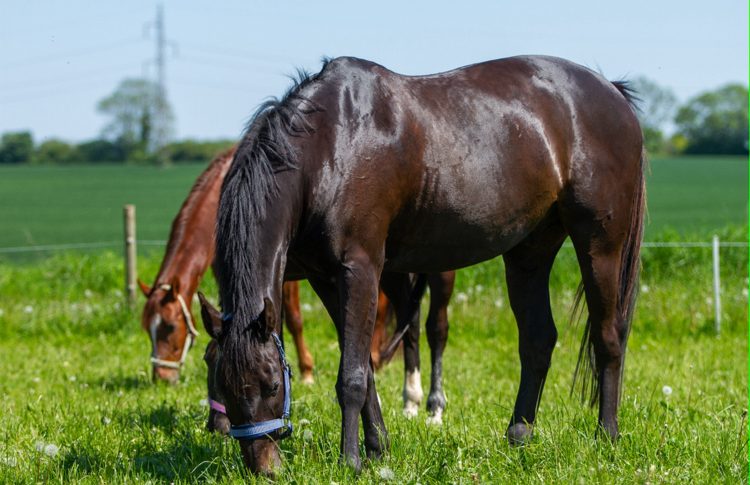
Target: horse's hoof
(307,378)
(436,418)
(519,434)
(411,409)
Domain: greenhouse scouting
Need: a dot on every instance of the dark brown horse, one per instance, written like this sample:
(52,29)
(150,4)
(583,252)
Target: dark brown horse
(167,315)
(359,170)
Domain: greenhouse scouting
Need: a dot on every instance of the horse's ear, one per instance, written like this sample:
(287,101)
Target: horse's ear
(145,289)
(211,317)
(269,316)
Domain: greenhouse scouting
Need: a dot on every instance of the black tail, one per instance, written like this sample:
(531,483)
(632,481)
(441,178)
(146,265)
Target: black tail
(415,299)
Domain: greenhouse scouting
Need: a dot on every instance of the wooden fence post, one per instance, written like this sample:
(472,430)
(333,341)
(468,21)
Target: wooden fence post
(130,254)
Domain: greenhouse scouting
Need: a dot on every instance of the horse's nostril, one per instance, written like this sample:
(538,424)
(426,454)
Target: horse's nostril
(170,376)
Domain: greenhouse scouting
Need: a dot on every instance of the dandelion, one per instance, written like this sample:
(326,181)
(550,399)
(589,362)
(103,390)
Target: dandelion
(39,446)
(303,422)
(203,402)
(51,450)
(307,435)
(666,390)
(106,421)
(306,307)
(645,289)
(88,293)
(8,461)
(72,378)
(35,380)
(386,474)
(498,303)
(479,288)
(744,293)
(28,309)
(462,297)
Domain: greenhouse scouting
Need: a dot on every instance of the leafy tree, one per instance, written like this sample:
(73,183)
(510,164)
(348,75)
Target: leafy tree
(17,147)
(55,151)
(96,151)
(187,151)
(715,122)
(140,116)
(656,108)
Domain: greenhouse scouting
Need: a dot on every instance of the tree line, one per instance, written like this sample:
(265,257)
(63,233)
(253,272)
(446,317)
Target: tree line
(141,121)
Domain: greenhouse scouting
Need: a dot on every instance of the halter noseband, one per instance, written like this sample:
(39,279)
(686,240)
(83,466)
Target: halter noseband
(189,338)
(253,431)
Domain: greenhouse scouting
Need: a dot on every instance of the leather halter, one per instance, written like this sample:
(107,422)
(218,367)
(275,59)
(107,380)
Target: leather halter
(189,337)
(282,425)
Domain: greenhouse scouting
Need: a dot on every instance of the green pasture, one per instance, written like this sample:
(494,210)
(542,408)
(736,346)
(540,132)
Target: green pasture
(78,405)
(42,205)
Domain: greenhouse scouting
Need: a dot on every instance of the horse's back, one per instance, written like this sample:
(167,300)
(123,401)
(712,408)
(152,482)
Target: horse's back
(480,153)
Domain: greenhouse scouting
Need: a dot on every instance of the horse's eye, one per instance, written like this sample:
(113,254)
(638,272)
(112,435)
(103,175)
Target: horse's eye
(273,389)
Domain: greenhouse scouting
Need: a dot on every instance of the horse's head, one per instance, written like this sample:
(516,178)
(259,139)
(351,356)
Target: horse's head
(217,414)
(169,323)
(252,375)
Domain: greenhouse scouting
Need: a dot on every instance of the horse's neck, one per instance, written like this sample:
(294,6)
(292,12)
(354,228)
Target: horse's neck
(191,245)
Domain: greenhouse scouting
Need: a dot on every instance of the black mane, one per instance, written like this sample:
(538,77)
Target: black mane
(265,150)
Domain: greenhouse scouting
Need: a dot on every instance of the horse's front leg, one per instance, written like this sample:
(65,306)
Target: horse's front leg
(358,290)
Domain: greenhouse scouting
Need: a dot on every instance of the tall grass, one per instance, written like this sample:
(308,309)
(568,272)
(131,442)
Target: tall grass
(78,405)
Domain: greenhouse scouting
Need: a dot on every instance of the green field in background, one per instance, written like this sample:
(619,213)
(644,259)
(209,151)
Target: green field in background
(42,205)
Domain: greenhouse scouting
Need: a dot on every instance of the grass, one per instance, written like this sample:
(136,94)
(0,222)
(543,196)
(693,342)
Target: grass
(42,205)
(75,363)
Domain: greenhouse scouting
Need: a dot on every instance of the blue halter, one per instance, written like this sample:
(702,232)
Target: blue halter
(283,425)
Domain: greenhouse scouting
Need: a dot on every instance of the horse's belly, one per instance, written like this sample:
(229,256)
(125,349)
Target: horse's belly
(450,241)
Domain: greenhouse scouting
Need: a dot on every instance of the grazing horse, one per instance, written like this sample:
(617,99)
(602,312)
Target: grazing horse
(359,170)
(167,316)
(441,289)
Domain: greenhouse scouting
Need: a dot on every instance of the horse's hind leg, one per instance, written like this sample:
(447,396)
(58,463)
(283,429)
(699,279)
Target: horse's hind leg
(441,289)
(398,288)
(527,269)
(600,269)
(293,318)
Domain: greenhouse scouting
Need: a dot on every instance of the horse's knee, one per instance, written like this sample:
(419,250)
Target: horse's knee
(352,388)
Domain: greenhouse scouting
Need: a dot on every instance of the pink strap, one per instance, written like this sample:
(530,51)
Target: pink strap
(217,406)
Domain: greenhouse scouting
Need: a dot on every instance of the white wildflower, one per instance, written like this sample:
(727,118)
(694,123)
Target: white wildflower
(51,450)
(72,378)
(88,293)
(479,288)
(386,474)
(462,297)
(28,309)
(2,312)
(652,468)
(203,402)
(306,307)
(667,391)
(645,289)
(709,300)
(307,435)
(744,293)
(39,446)
(498,303)
(8,461)
(303,422)
(35,379)
(106,421)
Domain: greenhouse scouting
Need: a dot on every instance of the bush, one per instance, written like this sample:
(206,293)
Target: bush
(17,147)
(56,152)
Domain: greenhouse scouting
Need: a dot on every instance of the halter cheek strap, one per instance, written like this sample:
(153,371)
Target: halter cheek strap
(189,338)
(217,406)
(283,425)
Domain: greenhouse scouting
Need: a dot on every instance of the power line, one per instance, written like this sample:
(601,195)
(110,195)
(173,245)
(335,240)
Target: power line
(60,56)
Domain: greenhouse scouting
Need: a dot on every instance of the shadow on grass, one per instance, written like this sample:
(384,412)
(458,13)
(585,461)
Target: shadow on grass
(123,382)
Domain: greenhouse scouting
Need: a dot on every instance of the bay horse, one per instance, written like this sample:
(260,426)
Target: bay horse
(359,170)
(167,315)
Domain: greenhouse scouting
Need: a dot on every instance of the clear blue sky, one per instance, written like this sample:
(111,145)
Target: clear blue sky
(58,58)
